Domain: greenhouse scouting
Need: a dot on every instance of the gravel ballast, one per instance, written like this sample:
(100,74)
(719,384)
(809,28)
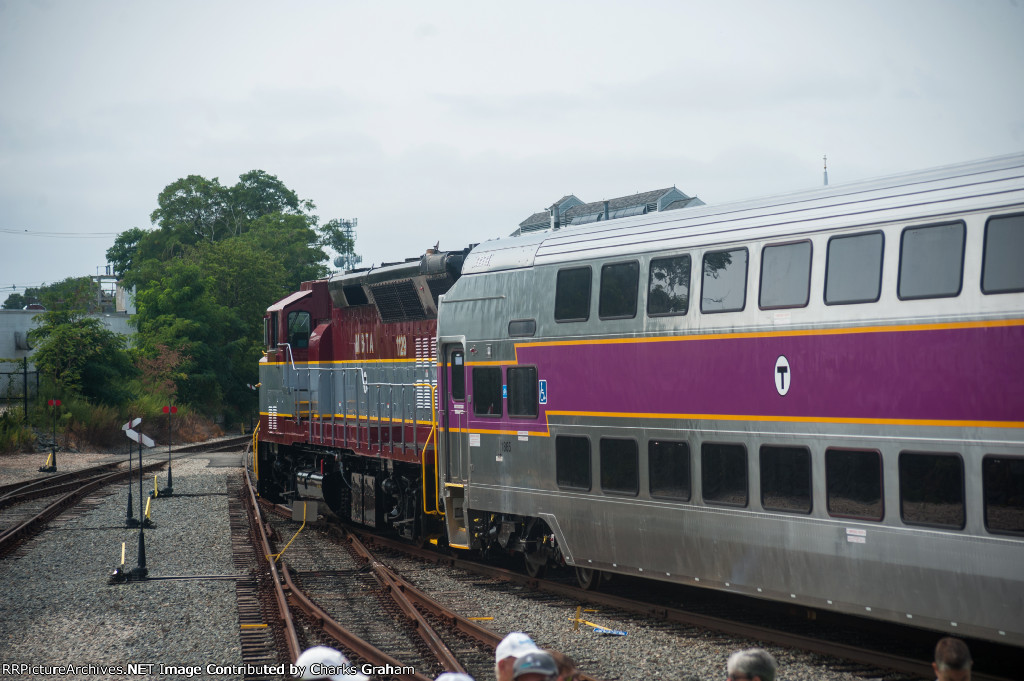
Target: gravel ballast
(59,610)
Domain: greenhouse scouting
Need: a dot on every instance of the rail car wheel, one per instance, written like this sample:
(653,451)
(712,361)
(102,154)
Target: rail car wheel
(588,578)
(536,564)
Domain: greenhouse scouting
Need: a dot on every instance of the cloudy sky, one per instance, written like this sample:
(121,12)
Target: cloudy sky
(453,121)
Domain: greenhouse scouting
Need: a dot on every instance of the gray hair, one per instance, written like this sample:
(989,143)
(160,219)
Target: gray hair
(753,662)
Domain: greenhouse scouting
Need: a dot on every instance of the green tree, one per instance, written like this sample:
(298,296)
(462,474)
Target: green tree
(82,357)
(193,209)
(17,301)
(122,254)
(339,236)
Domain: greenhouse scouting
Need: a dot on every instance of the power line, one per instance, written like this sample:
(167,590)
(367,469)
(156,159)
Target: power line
(61,235)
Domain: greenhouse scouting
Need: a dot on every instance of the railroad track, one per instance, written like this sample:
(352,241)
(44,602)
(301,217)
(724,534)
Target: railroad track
(16,526)
(769,624)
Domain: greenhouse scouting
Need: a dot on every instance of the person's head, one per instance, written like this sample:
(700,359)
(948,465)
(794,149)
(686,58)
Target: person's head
(511,648)
(952,660)
(751,665)
(566,665)
(536,666)
(322,662)
(454,676)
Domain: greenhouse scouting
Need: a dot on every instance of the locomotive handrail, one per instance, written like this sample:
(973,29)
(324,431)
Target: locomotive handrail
(433,434)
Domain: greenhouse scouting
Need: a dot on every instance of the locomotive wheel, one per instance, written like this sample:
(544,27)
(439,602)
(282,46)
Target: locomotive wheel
(588,578)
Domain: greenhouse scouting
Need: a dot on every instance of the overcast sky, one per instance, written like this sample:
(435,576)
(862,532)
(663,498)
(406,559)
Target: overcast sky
(454,121)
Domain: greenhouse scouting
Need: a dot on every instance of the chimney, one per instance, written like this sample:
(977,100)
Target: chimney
(555,224)
(605,210)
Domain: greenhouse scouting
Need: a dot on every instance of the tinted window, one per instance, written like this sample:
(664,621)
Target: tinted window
(619,284)
(487,391)
(931,261)
(786,275)
(1003,486)
(522,392)
(668,286)
(723,474)
(725,281)
(853,483)
(786,479)
(853,270)
(619,466)
(932,489)
(298,329)
(572,462)
(458,377)
(668,465)
(522,327)
(572,295)
(1003,269)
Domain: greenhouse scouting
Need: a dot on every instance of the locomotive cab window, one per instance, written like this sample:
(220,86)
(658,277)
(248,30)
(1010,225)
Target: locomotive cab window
(522,392)
(1003,489)
(931,261)
(723,474)
(724,287)
(786,479)
(487,391)
(668,466)
(853,483)
(572,295)
(853,269)
(619,283)
(298,329)
(785,275)
(932,489)
(668,286)
(1003,268)
(620,473)
(572,462)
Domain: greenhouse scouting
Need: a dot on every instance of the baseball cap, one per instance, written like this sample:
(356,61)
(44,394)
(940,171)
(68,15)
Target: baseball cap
(535,663)
(320,659)
(515,645)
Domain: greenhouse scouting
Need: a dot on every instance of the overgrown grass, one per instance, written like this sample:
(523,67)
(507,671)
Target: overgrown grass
(15,436)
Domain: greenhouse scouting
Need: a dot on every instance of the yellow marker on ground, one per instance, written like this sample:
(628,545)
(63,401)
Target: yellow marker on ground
(156,492)
(122,553)
(147,506)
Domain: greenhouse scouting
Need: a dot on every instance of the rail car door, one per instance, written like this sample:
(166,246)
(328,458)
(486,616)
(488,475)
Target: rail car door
(454,438)
(453,415)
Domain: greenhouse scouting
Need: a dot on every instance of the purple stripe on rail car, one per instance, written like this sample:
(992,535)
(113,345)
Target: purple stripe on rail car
(946,374)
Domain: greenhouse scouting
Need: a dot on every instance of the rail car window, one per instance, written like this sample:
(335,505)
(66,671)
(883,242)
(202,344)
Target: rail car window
(1003,488)
(786,479)
(668,286)
(572,295)
(458,376)
(932,489)
(853,483)
(298,329)
(931,261)
(723,474)
(668,466)
(620,467)
(725,281)
(522,392)
(853,269)
(619,282)
(1003,270)
(273,330)
(572,462)
(785,275)
(522,328)
(487,391)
